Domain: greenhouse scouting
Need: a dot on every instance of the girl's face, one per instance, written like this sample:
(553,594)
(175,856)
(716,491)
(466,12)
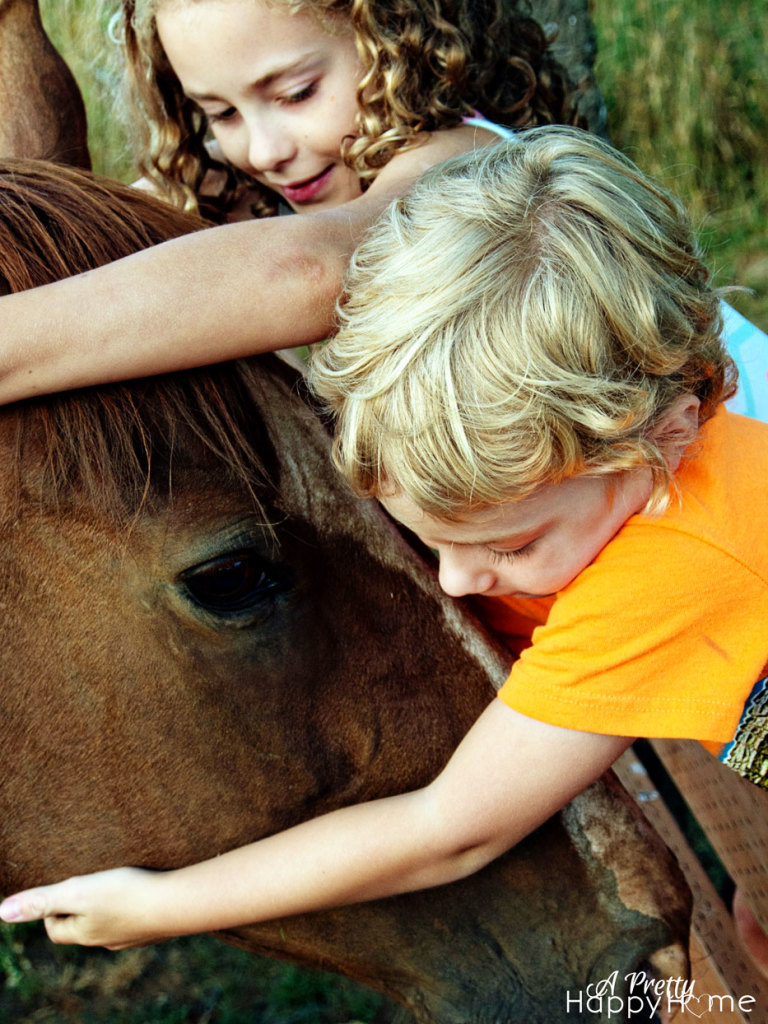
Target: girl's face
(278,90)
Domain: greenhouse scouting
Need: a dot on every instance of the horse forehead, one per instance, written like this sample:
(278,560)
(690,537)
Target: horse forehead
(310,486)
(10,471)
(307,488)
(312,489)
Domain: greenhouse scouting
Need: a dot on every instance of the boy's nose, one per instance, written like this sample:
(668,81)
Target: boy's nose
(460,576)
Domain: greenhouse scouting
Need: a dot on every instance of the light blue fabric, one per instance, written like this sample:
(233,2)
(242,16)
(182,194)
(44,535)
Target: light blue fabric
(748,347)
(480,122)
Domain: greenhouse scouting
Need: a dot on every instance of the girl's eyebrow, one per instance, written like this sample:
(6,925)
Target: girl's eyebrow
(264,81)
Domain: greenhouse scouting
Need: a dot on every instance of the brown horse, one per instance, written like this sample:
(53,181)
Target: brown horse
(42,111)
(206,638)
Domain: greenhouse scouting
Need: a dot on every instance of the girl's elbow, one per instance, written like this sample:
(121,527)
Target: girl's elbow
(312,280)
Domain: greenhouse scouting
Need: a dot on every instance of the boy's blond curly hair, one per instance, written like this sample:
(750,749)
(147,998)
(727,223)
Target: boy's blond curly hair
(426,65)
(525,314)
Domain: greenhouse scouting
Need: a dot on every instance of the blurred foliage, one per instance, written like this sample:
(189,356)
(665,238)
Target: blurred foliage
(189,981)
(686,89)
(80,31)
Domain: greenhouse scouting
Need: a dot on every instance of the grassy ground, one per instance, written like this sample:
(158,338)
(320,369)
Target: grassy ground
(189,981)
(686,87)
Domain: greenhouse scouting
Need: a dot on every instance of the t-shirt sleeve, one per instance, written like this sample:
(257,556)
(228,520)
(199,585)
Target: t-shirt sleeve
(664,634)
(512,620)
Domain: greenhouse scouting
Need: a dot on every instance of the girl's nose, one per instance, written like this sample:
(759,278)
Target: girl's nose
(461,574)
(269,146)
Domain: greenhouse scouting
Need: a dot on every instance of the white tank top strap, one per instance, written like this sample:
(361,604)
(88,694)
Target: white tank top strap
(480,122)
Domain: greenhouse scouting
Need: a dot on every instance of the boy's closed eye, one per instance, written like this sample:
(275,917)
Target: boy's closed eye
(510,554)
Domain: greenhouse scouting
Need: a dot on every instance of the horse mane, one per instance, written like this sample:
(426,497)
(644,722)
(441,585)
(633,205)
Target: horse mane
(119,445)
(120,440)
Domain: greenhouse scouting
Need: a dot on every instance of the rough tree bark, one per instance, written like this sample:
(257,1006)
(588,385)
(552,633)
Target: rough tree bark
(575,46)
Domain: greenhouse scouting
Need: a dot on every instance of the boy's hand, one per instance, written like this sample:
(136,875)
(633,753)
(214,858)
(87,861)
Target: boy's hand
(109,908)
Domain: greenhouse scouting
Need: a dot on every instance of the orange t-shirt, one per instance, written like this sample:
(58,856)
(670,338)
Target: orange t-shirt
(665,633)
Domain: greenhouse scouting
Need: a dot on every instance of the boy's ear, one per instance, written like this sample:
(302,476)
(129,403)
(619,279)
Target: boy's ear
(677,428)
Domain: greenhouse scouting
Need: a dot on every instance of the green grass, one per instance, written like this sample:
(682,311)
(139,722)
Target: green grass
(79,30)
(189,981)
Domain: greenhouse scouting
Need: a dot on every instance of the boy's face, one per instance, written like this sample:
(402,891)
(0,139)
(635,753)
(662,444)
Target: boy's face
(279,92)
(532,547)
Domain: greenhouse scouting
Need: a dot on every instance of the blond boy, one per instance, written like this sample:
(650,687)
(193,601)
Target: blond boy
(530,376)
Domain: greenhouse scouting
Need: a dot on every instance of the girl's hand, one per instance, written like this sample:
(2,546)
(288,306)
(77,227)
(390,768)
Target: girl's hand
(109,908)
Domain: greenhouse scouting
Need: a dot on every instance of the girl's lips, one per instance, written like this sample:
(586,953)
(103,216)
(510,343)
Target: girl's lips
(303,191)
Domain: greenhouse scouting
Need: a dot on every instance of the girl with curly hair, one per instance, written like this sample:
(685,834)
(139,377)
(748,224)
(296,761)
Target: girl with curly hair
(328,108)
(419,67)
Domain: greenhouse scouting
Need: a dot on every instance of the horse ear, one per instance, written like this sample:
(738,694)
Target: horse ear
(677,429)
(42,115)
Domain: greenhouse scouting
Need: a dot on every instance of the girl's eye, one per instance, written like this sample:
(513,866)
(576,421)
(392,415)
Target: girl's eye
(222,115)
(301,94)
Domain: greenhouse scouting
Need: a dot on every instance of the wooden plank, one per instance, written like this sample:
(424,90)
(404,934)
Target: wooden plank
(732,811)
(718,1005)
(723,975)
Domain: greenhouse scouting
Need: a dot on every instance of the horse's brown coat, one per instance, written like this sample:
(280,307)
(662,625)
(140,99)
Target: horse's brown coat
(141,728)
(42,111)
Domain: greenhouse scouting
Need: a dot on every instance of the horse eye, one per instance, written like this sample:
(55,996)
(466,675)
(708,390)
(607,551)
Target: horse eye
(230,584)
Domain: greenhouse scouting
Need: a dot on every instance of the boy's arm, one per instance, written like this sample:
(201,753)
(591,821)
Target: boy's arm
(508,776)
(217,294)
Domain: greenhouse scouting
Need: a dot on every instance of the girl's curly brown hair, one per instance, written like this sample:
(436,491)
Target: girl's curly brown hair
(427,64)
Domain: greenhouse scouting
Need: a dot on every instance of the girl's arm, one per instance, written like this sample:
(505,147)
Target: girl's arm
(508,776)
(218,294)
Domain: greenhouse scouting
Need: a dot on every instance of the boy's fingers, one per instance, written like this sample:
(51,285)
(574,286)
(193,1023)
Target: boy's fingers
(66,930)
(34,904)
(24,906)
(48,903)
